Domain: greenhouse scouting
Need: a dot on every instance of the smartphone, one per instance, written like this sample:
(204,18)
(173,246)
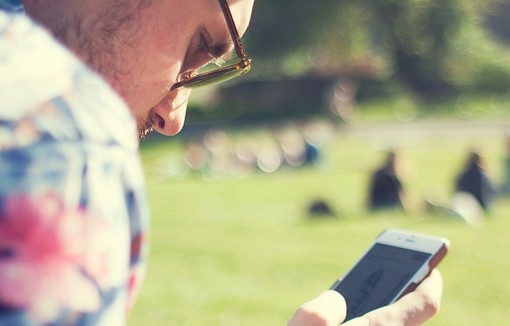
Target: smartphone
(394,265)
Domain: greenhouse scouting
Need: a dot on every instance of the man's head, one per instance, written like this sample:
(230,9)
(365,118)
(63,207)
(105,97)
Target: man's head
(141,47)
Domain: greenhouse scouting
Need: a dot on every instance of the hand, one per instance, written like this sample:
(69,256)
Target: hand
(415,308)
(327,309)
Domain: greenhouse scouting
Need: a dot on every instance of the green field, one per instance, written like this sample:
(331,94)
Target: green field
(242,251)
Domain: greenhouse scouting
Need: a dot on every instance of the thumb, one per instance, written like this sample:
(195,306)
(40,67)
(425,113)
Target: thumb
(328,309)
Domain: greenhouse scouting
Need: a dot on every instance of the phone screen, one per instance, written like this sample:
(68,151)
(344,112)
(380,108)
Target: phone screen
(378,278)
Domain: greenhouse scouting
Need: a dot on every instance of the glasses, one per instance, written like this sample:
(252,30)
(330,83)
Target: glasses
(224,73)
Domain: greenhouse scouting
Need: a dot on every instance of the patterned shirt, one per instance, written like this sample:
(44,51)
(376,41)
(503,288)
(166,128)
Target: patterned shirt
(73,211)
(11,5)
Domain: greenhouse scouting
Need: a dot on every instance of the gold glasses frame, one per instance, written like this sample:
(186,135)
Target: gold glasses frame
(223,73)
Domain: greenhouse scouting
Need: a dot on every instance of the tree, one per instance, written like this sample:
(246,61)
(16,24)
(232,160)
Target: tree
(434,48)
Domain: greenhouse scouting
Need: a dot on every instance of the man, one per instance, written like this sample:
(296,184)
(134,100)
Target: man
(73,213)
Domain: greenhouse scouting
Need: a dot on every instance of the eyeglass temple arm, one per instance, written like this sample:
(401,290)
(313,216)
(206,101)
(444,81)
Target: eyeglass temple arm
(233,29)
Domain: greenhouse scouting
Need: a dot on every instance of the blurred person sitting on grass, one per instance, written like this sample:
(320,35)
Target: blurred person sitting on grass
(385,189)
(473,190)
(474,181)
(79,81)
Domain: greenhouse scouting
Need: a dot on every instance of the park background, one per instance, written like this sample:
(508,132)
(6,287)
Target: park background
(427,78)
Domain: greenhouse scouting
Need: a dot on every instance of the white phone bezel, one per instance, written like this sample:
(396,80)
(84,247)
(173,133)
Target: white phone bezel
(411,241)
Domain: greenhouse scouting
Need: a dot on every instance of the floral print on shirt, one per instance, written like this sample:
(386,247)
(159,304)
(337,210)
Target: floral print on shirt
(73,210)
(49,253)
(12,5)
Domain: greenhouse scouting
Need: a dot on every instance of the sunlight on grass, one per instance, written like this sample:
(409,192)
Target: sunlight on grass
(242,251)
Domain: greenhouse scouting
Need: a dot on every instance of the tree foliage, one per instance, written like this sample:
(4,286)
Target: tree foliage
(434,48)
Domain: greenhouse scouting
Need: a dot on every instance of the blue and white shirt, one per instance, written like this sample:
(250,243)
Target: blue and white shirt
(11,5)
(73,209)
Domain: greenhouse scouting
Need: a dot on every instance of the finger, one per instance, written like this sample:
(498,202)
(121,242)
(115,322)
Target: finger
(424,302)
(328,309)
(412,309)
(433,286)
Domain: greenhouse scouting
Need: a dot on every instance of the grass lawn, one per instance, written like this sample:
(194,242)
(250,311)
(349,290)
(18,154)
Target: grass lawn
(242,251)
